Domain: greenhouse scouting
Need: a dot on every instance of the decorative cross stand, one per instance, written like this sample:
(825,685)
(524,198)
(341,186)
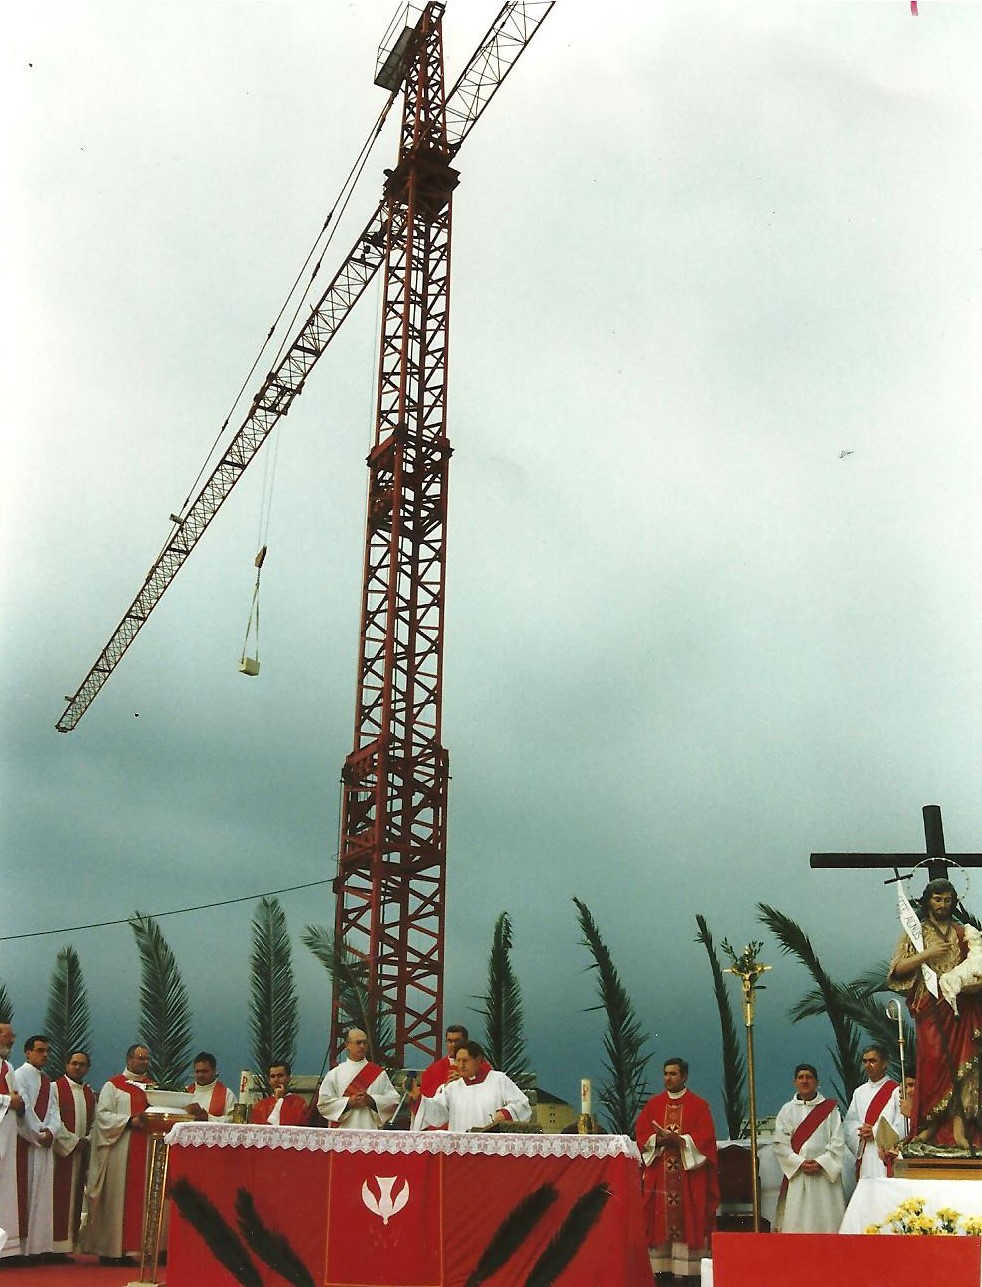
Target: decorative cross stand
(938,860)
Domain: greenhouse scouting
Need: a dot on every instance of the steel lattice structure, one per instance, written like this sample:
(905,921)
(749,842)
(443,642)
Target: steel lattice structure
(392,862)
(391,877)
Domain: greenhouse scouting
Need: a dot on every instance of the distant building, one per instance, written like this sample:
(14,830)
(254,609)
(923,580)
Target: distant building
(552,1113)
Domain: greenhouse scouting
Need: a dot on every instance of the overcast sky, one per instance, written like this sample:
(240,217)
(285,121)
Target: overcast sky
(701,250)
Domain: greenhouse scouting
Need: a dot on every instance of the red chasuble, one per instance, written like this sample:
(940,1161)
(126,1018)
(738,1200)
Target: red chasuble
(293,1113)
(679,1205)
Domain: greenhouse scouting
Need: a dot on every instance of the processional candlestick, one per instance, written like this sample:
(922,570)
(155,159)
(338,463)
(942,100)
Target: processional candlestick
(748,970)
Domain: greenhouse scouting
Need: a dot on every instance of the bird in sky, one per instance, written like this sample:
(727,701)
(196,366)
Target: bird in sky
(845,452)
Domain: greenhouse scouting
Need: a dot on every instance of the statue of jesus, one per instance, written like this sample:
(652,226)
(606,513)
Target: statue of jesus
(949,1042)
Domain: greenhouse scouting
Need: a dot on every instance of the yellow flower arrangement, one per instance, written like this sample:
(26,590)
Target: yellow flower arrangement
(911,1218)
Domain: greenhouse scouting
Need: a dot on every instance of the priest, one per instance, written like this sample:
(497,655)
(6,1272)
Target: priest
(357,1094)
(680,1192)
(479,1096)
(809,1147)
(281,1108)
(210,1100)
(76,1106)
(40,1125)
(11,1108)
(118,1170)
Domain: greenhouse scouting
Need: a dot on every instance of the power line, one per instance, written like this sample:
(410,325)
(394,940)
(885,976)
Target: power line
(177,911)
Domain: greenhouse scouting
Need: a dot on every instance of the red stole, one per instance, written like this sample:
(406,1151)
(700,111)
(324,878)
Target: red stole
(66,1103)
(216,1105)
(362,1079)
(67,1220)
(806,1128)
(136,1165)
(4,1069)
(40,1108)
(876,1107)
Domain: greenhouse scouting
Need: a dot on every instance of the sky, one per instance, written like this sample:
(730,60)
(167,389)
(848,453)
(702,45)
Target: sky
(701,252)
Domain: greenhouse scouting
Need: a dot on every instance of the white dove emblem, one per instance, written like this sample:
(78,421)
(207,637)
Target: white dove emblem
(385,1206)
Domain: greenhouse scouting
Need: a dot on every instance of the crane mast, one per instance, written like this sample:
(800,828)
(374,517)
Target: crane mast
(391,880)
(392,862)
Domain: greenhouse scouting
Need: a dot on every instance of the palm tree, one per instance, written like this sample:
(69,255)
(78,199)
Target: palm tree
(67,1021)
(734,1062)
(360,1005)
(275,1007)
(624,1092)
(165,1012)
(826,998)
(504,1022)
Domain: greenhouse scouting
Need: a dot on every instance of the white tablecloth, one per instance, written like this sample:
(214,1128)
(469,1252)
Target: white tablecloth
(874,1200)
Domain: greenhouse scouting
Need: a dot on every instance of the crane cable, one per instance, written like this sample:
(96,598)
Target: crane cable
(330,222)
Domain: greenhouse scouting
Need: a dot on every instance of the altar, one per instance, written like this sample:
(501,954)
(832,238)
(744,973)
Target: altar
(340,1208)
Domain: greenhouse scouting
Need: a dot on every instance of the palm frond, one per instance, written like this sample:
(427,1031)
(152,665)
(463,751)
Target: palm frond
(271,1247)
(274,1018)
(846,1053)
(564,1246)
(67,1021)
(6,1005)
(734,1064)
(218,1235)
(626,1062)
(504,1022)
(512,1232)
(359,1002)
(165,1012)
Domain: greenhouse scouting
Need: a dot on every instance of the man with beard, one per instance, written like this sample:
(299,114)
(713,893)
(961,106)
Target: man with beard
(948,1044)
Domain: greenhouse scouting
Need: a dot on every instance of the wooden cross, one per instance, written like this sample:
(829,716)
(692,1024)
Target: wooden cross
(938,859)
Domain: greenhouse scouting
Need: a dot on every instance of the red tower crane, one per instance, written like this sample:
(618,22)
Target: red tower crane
(391,881)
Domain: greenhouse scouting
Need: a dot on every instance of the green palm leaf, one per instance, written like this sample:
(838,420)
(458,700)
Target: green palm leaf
(625,1090)
(734,1064)
(67,1021)
(274,1020)
(165,1012)
(847,1051)
(504,1022)
(6,1005)
(359,1003)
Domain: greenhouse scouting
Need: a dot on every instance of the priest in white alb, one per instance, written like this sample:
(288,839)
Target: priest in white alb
(481,1096)
(809,1146)
(210,1100)
(40,1125)
(11,1107)
(76,1105)
(357,1093)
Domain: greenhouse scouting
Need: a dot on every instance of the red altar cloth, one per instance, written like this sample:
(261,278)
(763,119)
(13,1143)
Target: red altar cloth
(816,1260)
(397,1209)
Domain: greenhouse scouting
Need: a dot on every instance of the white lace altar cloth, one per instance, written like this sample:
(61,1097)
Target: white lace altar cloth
(319,1140)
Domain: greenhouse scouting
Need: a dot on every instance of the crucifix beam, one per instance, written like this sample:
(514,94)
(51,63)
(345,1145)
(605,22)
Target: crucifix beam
(934,851)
